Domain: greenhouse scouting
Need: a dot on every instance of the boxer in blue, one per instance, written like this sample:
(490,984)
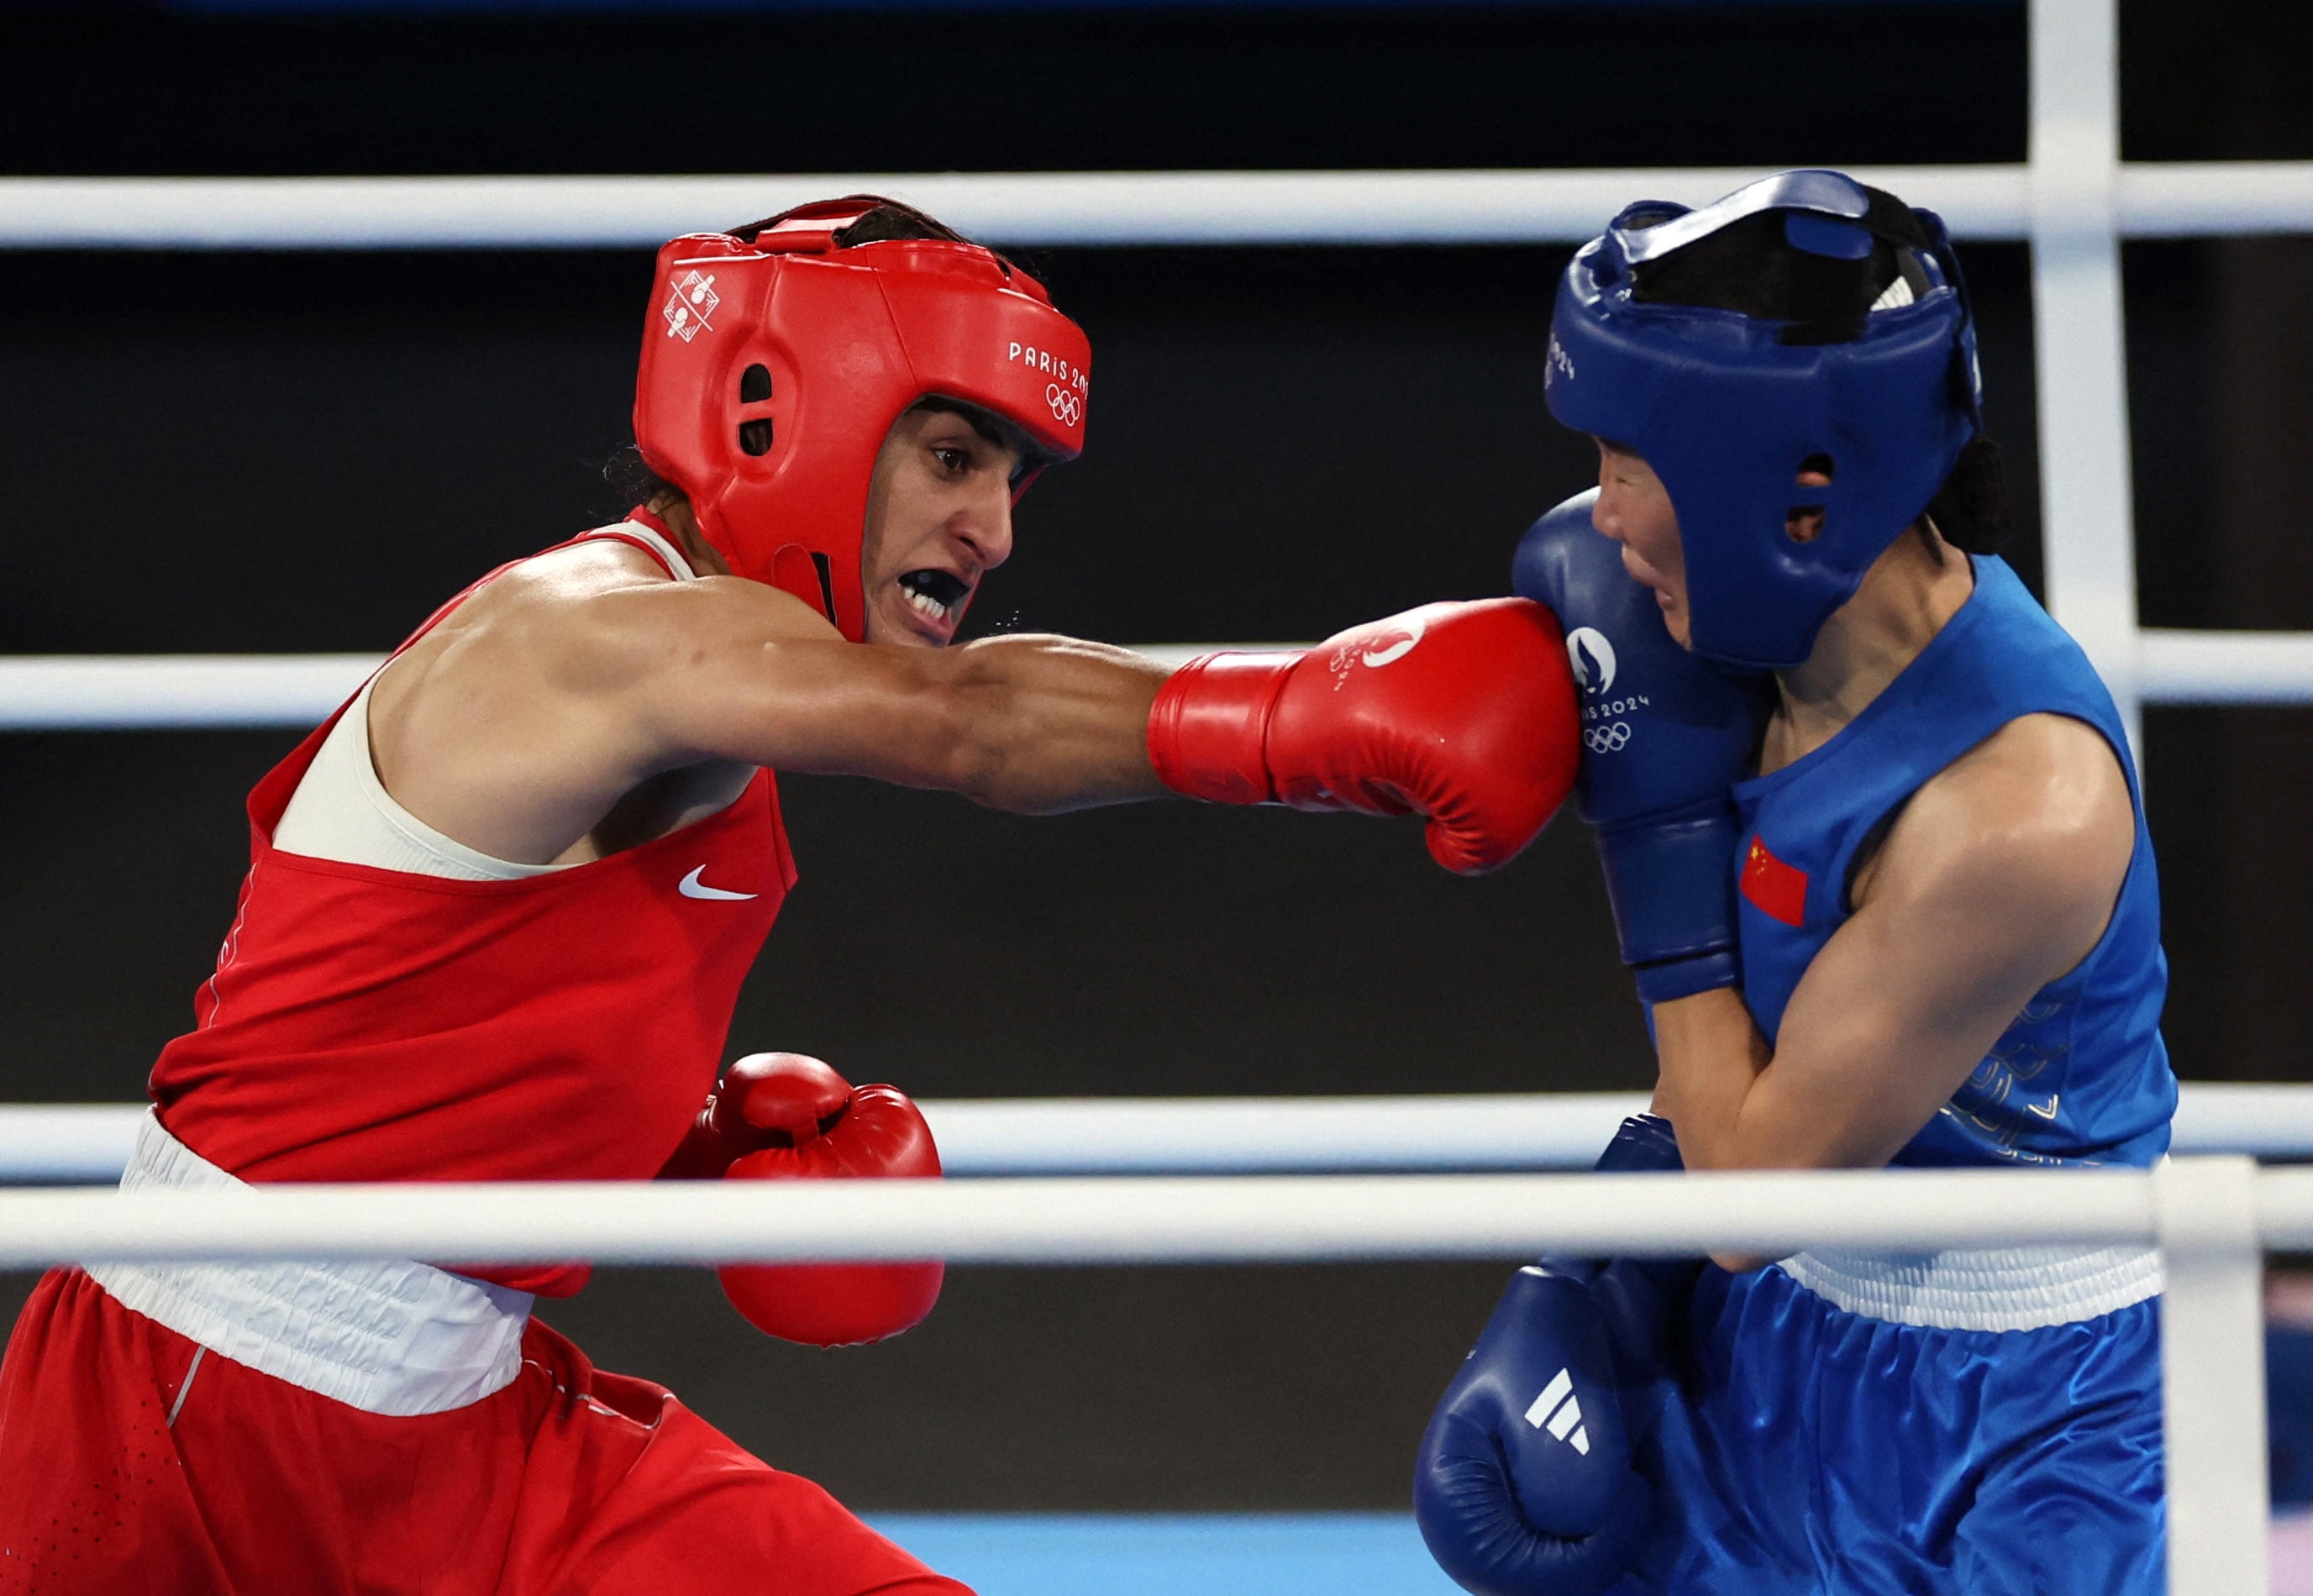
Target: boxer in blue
(1879,862)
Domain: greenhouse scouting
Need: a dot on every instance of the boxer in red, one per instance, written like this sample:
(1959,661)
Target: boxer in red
(499,906)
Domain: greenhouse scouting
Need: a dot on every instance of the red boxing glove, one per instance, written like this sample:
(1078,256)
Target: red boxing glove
(737,1118)
(782,1116)
(1463,713)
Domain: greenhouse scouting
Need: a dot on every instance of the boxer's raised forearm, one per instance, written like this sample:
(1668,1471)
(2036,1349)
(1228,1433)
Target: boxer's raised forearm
(1711,1056)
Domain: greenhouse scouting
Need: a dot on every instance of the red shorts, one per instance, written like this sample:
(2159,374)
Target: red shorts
(119,1474)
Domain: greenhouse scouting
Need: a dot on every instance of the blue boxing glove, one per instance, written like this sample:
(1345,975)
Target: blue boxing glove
(1665,736)
(1524,1485)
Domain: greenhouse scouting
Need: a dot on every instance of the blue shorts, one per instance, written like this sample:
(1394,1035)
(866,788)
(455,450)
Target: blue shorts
(1986,1422)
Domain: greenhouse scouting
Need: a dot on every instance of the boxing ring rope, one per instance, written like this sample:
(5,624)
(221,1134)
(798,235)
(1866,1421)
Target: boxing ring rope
(89,1143)
(1143,1219)
(1117,208)
(184,692)
(2212,1217)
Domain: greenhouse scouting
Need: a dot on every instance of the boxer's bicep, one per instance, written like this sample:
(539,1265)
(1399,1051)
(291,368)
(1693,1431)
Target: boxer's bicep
(665,674)
(734,670)
(1999,878)
(1887,1023)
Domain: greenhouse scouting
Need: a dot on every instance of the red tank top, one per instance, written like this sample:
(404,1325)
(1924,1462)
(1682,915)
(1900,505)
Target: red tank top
(366,1024)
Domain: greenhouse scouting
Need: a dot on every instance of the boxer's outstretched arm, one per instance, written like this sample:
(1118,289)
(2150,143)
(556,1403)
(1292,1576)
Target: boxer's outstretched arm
(1462,713)
(561,689)
(1033,725)
(729,670)
(2000,876)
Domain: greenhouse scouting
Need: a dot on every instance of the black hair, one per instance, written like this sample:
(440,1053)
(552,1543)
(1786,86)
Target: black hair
(1970,510)
(1750,266)
(631,479)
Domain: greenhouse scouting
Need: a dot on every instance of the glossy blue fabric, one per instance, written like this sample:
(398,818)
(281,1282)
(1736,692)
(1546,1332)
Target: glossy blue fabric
(2082,1076)
(1804,1449)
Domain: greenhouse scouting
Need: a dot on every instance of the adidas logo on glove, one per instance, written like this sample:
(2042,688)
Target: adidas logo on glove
(1559,1394)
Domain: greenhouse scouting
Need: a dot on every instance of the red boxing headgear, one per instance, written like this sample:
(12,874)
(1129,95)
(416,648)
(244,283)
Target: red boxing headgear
(774,366)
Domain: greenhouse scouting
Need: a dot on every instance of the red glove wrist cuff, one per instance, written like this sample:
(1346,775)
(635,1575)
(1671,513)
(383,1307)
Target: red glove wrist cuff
(1207,729)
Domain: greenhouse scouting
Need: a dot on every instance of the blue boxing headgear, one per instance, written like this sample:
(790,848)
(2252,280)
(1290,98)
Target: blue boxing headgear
(1728,406)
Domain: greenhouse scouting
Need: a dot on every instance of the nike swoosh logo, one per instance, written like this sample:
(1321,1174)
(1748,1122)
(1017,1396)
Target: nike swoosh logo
(692,888)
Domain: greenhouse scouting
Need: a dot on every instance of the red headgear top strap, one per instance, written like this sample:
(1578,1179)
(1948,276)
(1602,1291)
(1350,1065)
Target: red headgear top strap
(773,369)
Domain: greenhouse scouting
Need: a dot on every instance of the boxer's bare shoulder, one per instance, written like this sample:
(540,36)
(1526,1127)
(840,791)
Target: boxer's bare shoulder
(2038,816)
(512,725)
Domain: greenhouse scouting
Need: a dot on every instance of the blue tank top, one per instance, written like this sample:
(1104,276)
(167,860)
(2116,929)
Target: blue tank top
(2082,1076)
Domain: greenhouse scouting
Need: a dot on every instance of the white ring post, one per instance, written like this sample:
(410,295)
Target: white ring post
(2086,493)
(2212,1376)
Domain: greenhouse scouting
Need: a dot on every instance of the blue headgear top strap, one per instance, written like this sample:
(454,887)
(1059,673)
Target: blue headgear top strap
(1728,406)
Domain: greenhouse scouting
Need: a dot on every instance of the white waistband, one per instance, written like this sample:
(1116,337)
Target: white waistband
(2009,1288)
(391,1338)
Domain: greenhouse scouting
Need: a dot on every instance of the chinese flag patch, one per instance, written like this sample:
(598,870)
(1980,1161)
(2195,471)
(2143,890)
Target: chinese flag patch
(1778,890)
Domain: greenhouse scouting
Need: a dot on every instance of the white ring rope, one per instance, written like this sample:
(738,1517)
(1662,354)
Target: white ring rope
(183,692)
(2180,667)
(1178,1219)
(142,692)
(1058,208)
(171,692)
(89,1143)
(1275,1218)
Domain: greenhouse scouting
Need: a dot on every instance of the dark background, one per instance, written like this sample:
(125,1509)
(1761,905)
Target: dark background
(248,452)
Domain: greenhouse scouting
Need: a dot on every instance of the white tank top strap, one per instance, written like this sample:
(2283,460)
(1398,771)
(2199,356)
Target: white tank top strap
(2008,1288)
(636,532)
(341,810)
(390,1337)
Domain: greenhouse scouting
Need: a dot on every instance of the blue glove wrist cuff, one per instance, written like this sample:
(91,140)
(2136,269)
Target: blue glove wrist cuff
(1671,880)
(1684,977)
(1640,1300)
(1644,1143)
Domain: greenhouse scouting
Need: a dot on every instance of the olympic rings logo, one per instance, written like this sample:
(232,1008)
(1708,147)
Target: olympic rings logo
(1607,739)
(1067,408)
